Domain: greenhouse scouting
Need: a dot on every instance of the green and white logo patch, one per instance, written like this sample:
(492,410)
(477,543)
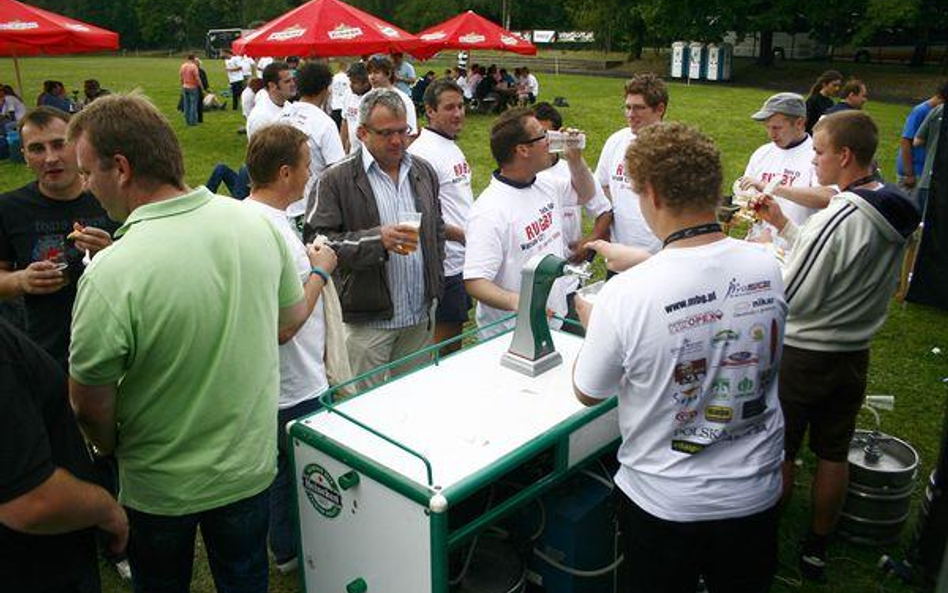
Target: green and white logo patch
(321,490)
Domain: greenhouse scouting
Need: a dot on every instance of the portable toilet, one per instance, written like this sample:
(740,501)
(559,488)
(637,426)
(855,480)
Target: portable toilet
(719,61)
(697,61)
(679,61)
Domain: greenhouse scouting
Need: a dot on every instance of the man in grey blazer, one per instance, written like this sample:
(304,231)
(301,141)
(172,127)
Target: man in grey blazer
(389,274)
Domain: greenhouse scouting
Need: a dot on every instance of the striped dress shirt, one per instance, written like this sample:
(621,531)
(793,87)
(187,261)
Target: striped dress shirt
(405,274)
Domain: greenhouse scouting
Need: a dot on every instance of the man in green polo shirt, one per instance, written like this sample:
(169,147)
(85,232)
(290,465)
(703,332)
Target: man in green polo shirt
(174,364)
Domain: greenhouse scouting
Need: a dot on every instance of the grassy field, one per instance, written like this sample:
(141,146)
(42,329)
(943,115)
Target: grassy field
(903,361)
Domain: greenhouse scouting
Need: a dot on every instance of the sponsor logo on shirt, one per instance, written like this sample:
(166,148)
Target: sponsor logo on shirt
(719,414)
(692,371)
(739,359)
(724,337)
(745,387)
(687,347)
(687,396)
(736,289)
(293,32)
(696,320)
(757,332)
(721,388)
(686,416)
(698,299)
(765,378)
(345,32)
(717,434)
(687,447)
(754,407)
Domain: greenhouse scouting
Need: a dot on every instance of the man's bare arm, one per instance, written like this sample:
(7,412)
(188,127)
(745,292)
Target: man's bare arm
(94,406)
(492,295)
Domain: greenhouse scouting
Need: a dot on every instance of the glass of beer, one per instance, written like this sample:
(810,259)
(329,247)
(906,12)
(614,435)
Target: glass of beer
(409,222)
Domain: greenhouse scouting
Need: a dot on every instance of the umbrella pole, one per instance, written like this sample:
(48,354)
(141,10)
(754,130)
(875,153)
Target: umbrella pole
(19,81)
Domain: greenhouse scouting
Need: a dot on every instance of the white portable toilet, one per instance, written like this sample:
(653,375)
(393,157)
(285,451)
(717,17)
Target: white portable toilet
(679,61)
(697,61)
(719,61)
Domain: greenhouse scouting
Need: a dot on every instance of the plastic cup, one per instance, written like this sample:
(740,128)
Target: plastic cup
(590,292)
(409,222)
(560,141)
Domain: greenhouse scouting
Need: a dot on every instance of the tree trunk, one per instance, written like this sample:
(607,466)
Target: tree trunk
(922,35)
(637,38)
(766,57)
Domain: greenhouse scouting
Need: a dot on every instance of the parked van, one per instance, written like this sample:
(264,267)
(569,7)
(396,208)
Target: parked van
(786,46)
(218,39)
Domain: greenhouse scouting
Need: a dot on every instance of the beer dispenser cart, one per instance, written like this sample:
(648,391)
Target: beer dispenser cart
(387,480)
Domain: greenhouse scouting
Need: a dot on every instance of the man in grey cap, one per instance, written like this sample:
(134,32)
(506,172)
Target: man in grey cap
(783,168)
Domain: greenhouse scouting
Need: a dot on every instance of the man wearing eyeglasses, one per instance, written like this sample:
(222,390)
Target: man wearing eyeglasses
(646,100)
(519,216)
(389,277)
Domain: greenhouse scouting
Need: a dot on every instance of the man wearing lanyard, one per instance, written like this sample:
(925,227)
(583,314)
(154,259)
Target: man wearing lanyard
(689,341)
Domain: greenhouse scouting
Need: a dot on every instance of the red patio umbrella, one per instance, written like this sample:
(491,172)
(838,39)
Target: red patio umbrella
(470,31)
(325,28)
(27,31)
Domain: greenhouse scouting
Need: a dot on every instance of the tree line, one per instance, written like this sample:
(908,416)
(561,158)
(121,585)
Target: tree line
(620,25)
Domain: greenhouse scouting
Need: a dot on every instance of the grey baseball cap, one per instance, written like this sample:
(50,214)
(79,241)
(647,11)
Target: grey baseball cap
(790,104)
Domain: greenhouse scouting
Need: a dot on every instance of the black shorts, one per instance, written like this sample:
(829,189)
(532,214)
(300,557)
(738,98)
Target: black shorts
(734,555)
(455,304)
(822,391)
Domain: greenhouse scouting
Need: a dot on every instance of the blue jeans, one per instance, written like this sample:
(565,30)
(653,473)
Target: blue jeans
(161,548)
(190,99)
(237,182)
(284,540)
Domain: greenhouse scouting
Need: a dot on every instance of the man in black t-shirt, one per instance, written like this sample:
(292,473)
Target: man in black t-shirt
(46,227)
(47,505)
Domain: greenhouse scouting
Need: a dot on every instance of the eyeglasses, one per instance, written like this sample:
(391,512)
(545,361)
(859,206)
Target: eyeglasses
(536,139)
(389,133)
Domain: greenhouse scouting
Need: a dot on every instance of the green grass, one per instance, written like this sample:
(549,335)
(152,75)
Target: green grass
(902,360)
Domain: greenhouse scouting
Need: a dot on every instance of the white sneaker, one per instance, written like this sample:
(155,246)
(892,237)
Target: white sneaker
(124,570)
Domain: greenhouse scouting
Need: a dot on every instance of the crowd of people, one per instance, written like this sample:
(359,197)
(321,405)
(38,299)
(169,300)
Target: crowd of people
(188,345)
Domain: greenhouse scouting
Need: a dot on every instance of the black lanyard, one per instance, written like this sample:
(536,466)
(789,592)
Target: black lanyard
(692,231)
(861,181)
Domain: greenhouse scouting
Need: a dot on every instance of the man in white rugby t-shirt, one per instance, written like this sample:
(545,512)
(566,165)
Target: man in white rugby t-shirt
(337,93)
(278,161)
(307,115)
(690,342)
(444,106)
(518,217)
(646,100)
(784,166)
(358,86)
(279,86)
(598,208)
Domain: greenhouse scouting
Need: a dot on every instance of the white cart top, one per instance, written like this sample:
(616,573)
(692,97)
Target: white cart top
(463,415)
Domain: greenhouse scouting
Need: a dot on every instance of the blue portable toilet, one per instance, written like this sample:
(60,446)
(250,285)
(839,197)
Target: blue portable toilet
(697,61)
(719,61)
(679,59)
